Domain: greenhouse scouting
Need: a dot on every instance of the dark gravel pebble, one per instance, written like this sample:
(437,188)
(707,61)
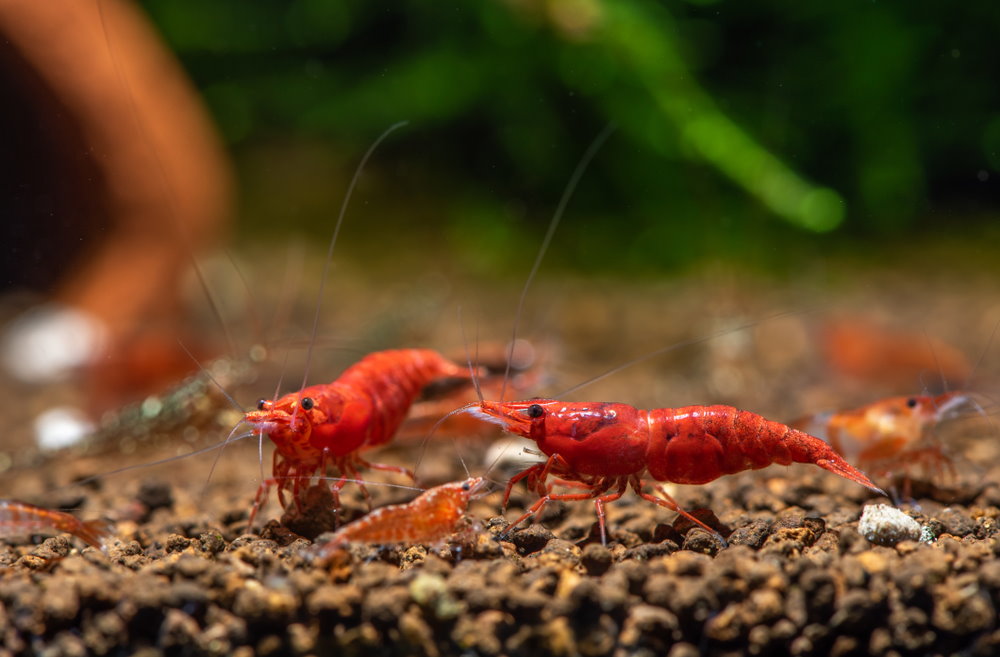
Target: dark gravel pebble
(155,495)
(530,539)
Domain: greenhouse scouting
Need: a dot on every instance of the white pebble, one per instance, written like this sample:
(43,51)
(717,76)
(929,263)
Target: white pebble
(886,525)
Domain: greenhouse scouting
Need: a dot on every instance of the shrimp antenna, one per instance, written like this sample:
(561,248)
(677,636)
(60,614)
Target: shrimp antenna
(496,460)
(468,357)
(680,345)
(224,394)
(937,361)
(252,309)
(984,352)
(333,239)
(475,382)
(218,456)
(235,404)
(437,425)
(346,480)
(292,281)
(170,459)
(560,209)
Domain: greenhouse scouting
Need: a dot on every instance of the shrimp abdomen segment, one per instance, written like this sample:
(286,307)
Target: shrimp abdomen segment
(391,380)
(697,444)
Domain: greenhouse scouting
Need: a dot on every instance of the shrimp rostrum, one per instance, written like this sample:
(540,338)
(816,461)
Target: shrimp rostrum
(604,448)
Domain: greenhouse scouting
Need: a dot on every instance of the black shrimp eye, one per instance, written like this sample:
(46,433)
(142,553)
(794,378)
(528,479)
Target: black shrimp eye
(912,402)
(307,403)
(261,404)
(465,485)
(535,411)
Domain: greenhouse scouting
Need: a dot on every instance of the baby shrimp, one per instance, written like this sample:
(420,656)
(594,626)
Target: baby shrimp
(328,425)
(429,518)
(606,446)
(892,434)
(17,518)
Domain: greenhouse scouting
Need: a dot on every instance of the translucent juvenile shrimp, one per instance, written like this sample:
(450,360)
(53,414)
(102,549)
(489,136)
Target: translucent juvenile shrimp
(893,435)
(19,518)
(429,518)
(605,446)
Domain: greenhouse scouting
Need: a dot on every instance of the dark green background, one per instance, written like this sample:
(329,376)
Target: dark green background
(768,132)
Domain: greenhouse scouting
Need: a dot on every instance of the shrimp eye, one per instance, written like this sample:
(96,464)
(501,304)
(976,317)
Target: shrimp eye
(912,402)
(261,404)
(465,485)
(535,411)
(307,403)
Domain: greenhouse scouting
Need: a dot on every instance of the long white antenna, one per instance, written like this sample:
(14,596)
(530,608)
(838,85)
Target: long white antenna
(563,202)
(333,240)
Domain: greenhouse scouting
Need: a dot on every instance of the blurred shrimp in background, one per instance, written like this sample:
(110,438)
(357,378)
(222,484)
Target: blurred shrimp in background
(114,181)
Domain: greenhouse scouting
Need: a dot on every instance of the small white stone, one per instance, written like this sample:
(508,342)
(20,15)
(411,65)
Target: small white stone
(886,525)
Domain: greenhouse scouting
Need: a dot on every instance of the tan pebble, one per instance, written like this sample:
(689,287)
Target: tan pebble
(873,561)
(340,599)
(281,603)
(767,604)
(427,587)
(416,631)
(724,626)
(269,645)
(686,563)
(568,580)
(560,637)
(683,649)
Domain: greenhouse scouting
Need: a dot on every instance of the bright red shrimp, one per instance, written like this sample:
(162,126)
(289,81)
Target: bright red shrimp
(329,425)
(18,518)
(429,518)
(605,446)
(891,435)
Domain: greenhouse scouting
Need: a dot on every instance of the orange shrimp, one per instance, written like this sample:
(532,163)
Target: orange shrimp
(891,435)
(429,518)
(329,425)
(864,350)
(606,446)
(18,518)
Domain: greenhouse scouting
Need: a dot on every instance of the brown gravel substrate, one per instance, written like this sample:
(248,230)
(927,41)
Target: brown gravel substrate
(796,578)
(184,576)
